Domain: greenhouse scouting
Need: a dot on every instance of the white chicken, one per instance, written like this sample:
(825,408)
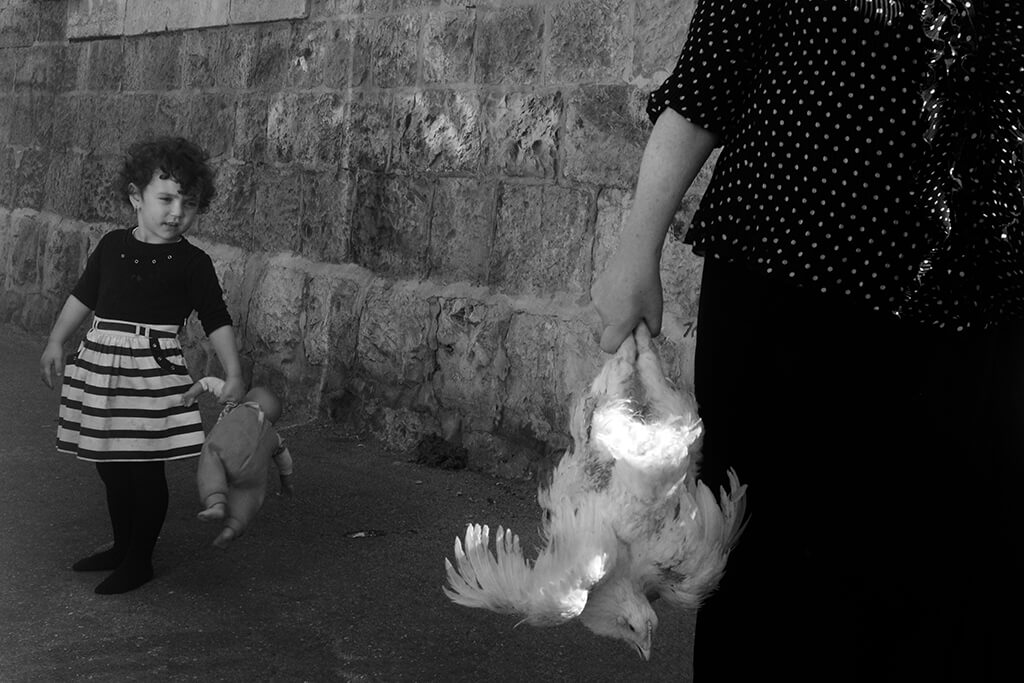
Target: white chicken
(625,520)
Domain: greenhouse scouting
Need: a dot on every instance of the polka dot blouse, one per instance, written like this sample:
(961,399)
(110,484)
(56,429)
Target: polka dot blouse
(823,177)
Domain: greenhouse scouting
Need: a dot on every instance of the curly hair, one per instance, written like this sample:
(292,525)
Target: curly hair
(182,160)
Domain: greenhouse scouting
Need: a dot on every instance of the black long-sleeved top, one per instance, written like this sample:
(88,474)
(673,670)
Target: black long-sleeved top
(159,284)
(823,179)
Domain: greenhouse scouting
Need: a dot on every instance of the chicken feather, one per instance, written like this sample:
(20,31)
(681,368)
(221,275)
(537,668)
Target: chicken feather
(625,518)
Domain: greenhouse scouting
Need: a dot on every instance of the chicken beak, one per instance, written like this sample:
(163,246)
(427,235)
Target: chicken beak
(644,646)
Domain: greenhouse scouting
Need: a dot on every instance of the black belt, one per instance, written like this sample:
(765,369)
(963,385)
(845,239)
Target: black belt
(142,330)
(159,355)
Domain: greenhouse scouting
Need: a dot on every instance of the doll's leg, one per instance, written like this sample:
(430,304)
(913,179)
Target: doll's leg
(243,504)
(213,485)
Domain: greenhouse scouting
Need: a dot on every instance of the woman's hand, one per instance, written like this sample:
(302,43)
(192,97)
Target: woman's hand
(629,290)
(626,293)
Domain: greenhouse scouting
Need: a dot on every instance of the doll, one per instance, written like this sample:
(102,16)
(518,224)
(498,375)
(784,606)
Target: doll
(232,472)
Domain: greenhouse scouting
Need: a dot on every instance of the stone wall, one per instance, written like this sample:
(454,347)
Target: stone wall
(413,195)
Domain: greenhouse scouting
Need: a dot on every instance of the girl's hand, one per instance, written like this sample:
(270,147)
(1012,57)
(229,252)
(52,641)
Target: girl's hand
(190,396)
(234,390)
(51,364)
(626,293)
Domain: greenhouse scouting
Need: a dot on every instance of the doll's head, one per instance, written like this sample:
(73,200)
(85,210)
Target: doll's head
(268,402)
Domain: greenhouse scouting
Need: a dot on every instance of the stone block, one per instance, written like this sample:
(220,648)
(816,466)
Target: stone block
(278,208)
(41,67)
(30,178)
(153,62)
(7,109)
(273,54)
(390,231)
(386,48)
(137,121)
(462,229)
(472,362)
(76,64)
(306,127)
(52,21)
(95,18)
(171,114)
(267,10)
(333,309)
(210,122)
(660,32)
(237,273)
(32,122)
(551,358)
(509,46)
(64,183)
(71,116)
(7,176)
(201,54)
(104,134)
(119,120)
(448,47)
(101,202)
(325,215)
(333,8)
(104,65)
(250,140)
(521,133)
(397,345)
(156,16)
(543,240)
(9,66)
(319,55)
(219,57)
(590,41)
(370,134)
(275,336)
(606,129)
(63,254)
(438,131)
(230,217)
(24,267)
(18,24)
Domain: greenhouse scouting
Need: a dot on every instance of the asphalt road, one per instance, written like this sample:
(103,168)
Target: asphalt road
(340,583)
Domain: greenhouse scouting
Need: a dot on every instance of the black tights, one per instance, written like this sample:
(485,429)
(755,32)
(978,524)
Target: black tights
(137,502)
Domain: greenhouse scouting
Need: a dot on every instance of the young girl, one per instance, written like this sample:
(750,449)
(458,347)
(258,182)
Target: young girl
(860,349)
(121,402)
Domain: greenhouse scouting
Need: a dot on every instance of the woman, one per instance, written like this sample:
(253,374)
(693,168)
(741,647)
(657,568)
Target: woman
(860,348)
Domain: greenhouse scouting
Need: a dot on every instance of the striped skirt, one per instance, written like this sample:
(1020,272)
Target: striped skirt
(121,397)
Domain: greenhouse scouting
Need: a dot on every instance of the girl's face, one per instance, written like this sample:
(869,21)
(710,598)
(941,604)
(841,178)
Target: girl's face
(165,214)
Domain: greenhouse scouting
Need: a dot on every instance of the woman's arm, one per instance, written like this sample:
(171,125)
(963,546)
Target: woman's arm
(223,340)
(629,289)
(71,317)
